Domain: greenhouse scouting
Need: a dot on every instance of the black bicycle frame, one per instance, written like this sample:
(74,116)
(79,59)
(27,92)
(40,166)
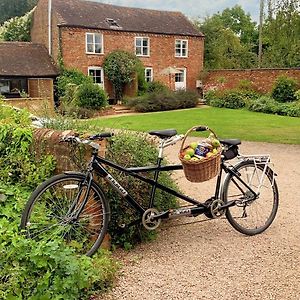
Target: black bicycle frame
(199,208)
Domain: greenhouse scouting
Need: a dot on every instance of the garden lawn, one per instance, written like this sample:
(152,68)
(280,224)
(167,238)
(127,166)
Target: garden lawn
(227,123)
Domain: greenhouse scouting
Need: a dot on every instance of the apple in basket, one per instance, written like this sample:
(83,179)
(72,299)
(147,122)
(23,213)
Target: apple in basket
(190,152)
(187,157)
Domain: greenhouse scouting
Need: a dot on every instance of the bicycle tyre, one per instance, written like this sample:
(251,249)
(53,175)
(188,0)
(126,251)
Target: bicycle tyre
(265,206)
(48,204)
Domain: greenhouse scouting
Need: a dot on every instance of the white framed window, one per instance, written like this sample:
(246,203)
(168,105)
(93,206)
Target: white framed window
(181,48)
(148,74)
(94,43)
(142,46)
(97,74)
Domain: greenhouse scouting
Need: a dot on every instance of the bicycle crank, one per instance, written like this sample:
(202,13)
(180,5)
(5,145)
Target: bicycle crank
(216,209)
(148,221)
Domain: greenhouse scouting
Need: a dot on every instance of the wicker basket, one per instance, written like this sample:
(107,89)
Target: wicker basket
(202,170)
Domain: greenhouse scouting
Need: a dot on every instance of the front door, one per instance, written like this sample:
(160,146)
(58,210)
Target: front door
(180,80)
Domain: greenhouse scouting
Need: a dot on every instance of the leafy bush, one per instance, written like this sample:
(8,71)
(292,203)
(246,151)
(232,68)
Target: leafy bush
(17,164)
(265,104)
(129,150)
(156,86)
(91,96)
(164,100)
(229,99)
(68,81)
(17,29)
(120,67)
(35,270)
(284,89)
(297,95)
(270,106)
(30,269)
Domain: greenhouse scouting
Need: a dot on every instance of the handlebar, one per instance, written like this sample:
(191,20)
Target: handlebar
(76,140)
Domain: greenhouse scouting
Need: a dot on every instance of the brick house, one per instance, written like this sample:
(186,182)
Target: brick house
(82,33)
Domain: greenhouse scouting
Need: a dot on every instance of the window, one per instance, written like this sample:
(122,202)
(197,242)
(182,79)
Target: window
(94,43)
(148,74)
(112,22)
(181,48)
(4,86)
(97,74)
(142,46)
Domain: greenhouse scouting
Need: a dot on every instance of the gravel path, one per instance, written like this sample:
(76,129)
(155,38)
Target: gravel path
(210,260)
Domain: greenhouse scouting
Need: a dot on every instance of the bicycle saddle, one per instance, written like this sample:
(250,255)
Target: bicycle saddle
(167,133)
(231,142)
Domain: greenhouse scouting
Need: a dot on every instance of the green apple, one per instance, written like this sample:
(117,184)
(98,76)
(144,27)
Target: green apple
(215,143)
(193,145)
(187,157)
(190,152)
(194,159)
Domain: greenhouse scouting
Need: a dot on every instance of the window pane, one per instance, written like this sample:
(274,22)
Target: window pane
(177,44)
(138,42)
(138,51)
(145,42)
(90,48)
(98,38)
(145,51)
(98,48)
(178,52)
(183,52)
(4,87)
(92,72)
(184,44)
(89,38)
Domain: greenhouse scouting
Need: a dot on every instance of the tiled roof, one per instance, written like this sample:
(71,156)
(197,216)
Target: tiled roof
(25,59)
(96,15)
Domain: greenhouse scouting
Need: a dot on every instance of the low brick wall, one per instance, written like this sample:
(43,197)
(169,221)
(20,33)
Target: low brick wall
(47,141)
(262,80)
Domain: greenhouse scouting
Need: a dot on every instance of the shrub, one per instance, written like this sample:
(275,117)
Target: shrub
(297,95)
(156,86)
(17,29)
(265,104)
(16,161)
(234,99)
(35,270)
(69,79)
(91,96)
(129,150)
(164,100)
(30,269)
(120,67)
(284,89)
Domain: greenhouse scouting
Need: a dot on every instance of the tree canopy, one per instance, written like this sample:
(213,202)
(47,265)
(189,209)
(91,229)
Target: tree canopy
(231,37)
(14,8)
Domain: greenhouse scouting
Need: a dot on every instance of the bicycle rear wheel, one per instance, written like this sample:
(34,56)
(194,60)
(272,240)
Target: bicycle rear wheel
(251,216)
(50,213)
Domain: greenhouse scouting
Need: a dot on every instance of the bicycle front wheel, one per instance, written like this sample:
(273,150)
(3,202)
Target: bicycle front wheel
(251,216)
(55,210)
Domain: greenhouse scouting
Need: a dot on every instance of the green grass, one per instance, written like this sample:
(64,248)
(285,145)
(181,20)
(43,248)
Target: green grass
(227,123)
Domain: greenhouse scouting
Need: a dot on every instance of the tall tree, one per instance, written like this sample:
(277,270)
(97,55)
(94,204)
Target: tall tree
(14,8)
(230,39)
(281,35)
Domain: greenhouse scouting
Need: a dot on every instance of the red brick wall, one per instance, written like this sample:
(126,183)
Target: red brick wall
(39,28)
(47,141)
(162,52)
(262,80)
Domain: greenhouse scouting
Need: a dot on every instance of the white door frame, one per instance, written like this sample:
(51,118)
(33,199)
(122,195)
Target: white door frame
(181,85)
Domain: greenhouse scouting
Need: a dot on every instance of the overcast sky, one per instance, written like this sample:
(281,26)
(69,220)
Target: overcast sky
(191,8)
